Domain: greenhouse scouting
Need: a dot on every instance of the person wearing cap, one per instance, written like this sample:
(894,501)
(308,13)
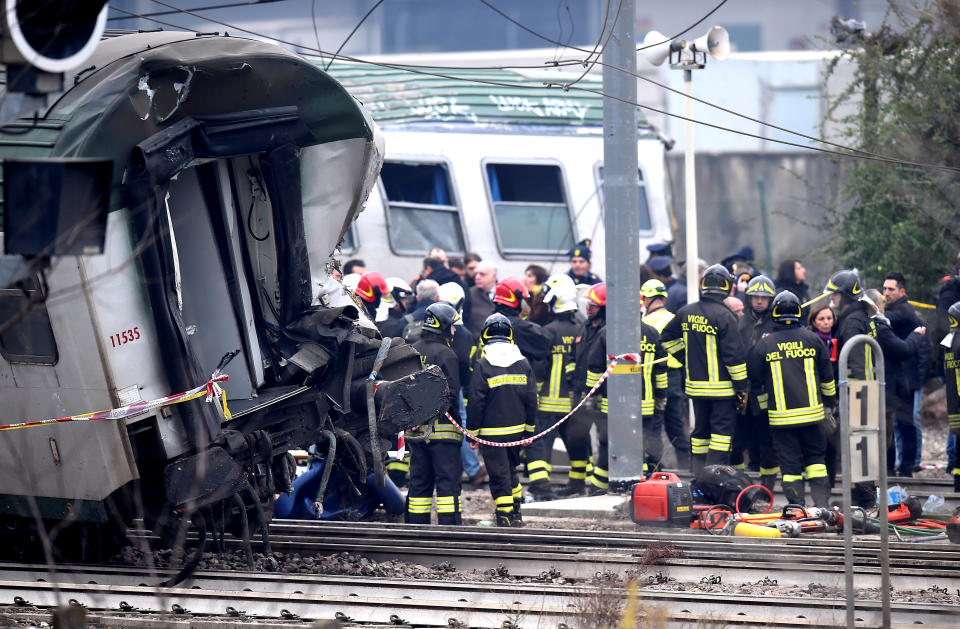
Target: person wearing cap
(580,264)
(654,295)
(736,261)
(658,249)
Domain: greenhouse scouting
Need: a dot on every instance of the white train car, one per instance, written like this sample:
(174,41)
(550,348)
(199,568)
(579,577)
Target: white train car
(495,162)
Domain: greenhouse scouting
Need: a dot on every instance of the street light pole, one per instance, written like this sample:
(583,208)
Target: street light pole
(690,195)
(688,56)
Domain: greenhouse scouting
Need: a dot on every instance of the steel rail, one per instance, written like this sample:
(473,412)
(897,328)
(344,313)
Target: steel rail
(423,602)
(581,555)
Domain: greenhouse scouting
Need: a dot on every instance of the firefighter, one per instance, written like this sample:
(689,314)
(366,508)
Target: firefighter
(653,395)
(589,413)
(654,295)
(560,294)
(370,289)
(752,433)
(791,367)
(535,344)
(715,367)
(396,317)
(951,378)
(435,448)
(854,311)
(502,408)
(653,385)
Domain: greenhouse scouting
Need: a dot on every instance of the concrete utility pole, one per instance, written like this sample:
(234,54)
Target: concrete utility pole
(621,225)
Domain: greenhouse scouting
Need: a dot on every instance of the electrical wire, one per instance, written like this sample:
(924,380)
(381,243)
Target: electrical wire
(846,152)
(691,27)
(355,28)
(229,5)
(593,63)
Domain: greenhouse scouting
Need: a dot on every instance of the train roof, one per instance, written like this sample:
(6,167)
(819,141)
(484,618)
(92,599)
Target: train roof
(475,99)
(137,85)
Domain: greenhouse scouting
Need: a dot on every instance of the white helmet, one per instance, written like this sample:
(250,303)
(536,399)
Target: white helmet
(350,280)
(560,292)
(395,287)
(452,293)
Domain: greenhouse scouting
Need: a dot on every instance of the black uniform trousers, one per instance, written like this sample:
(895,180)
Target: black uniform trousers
(675,418)
(504,481)
(575,433)
(714,422)
(434,465)
(801,451)
(598,472)
(752,434)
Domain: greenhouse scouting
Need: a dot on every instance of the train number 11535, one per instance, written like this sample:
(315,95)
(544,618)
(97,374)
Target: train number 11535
(124,337)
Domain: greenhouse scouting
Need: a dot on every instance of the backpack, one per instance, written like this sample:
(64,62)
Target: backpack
(413,330)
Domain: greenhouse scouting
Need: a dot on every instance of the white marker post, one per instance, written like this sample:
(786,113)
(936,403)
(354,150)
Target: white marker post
(863,452)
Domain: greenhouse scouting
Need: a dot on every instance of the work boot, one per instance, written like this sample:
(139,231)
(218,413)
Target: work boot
(716,457)
(576,488)
(956,482)
(769,481)
(820,491)
(793,490)
(683,459)
(503,519)
(516,519)
(541,491)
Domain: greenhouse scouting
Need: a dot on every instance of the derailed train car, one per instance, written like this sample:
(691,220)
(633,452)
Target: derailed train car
(236,169)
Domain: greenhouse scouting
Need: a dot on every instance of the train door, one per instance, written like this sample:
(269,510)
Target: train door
(212,286)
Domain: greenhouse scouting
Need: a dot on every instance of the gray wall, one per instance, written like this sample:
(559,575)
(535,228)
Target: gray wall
(799,188)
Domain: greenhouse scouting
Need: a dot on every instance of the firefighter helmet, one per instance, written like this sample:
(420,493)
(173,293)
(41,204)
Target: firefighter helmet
(953,313)
(560,292)
(597,295)
(509,292)
(398,289)
(786,308)
(452,293)
(438,318)
(716,280)
(497,329)
(760,286)
(653,288)
(847,283)
(371,287)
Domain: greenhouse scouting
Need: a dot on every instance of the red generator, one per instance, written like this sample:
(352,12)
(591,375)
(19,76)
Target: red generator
(662,500)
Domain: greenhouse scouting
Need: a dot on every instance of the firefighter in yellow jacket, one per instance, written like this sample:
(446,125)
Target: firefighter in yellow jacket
(715,369)
(950,367)
(435,448)
(792,368)
(653,400)
(560,293)
(502,408)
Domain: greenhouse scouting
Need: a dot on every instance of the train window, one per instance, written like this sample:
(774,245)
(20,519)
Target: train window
(26,335)
(422,212)
(645,225)
(530,208)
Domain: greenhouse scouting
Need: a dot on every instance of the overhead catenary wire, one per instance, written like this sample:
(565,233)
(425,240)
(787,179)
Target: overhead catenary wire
(418,69)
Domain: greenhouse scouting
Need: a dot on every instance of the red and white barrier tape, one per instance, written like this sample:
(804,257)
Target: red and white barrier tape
(635,358)
(211,390)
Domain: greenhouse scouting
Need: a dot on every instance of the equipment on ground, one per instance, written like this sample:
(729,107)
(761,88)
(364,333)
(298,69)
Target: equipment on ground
(663,499)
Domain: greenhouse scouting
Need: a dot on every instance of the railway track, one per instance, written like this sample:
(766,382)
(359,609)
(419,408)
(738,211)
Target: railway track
(121,597)
(580,555)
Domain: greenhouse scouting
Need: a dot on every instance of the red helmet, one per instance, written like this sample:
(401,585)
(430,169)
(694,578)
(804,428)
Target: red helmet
(509,292)
(597,295)
(372,287)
